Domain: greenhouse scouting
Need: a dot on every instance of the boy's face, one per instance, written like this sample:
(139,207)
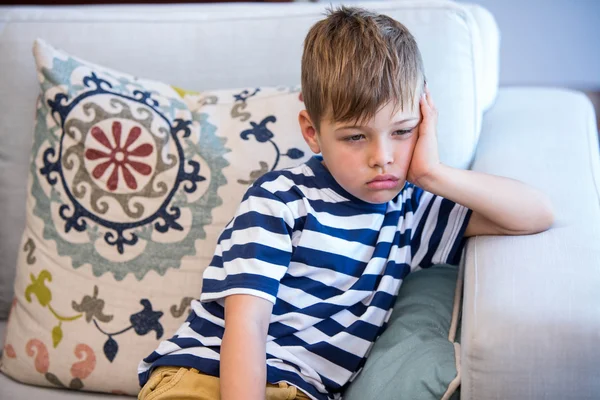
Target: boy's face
(370,159)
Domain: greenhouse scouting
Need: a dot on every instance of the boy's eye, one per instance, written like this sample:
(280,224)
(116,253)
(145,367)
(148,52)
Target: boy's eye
(403,132)
(354,138)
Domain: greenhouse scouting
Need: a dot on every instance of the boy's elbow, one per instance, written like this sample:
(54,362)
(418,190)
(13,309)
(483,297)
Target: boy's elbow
(544,218)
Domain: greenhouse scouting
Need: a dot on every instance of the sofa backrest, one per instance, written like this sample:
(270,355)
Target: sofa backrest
(208,46)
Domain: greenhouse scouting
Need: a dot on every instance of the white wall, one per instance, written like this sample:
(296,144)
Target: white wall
(548,42)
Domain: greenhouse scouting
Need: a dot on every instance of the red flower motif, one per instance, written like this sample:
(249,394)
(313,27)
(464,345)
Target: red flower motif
(119,156)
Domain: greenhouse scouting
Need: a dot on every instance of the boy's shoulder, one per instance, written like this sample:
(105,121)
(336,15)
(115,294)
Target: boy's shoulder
(284,180)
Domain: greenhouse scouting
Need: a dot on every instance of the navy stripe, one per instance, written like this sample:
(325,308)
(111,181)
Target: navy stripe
(397,270)
(277,329)
(365,236)
(329,352)
(214,309)
(299,223)
(436,237)
(321,310)
(283,307)
(186,343)
(360,329)
(363,330)
(253,219)
(416,242)
(152,357)
(334,262)
(310,286)
(206,328)
(216,262)
(246,281)
(380,300)
(332,386)
(367,282)
(330,327)
(205,365)
(257,251)
(400,239)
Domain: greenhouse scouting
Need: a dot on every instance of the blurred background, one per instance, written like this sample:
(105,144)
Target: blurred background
(549,43)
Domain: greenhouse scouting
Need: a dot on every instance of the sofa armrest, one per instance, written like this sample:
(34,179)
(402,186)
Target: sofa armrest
(531,311)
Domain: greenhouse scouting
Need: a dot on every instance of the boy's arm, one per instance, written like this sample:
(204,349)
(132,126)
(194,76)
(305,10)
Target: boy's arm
(243,350)
(500,205)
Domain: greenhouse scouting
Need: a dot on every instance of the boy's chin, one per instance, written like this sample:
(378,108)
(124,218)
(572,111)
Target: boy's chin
(379,197)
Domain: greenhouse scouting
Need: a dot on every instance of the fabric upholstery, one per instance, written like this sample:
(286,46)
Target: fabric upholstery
(531,314)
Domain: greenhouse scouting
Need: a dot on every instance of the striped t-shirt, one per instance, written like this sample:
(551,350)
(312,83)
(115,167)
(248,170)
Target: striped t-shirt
(330,263)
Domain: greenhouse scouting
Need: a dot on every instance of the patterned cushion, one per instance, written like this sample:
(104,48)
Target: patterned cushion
(131,181)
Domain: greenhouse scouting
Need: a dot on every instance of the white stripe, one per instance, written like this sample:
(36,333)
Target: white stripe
(455,221)
(296,320)
(373,315)
(189,333)
(284,184)
(258,235)
(296,297)
(167,347)
(362,221)
(250,266)
(334,372)
(330,244)
(345,341)
(266,206)
(324,275)
(229,292)
(283,353)
(204,352)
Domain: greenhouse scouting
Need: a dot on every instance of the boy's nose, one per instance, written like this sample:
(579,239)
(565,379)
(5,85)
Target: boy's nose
(380,154)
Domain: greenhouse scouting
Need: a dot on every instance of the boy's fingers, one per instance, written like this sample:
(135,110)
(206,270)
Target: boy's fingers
(425,106)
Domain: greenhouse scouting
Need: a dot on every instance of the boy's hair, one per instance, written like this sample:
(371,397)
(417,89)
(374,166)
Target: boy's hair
(356,62)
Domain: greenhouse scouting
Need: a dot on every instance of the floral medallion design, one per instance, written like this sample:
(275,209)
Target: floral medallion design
(120,158)
(122,171)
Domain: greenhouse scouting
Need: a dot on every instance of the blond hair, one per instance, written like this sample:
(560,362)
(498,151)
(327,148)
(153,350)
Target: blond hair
(356,62)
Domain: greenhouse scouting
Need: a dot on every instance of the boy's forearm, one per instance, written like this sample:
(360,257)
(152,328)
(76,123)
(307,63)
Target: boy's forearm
(511,205)
(243,364)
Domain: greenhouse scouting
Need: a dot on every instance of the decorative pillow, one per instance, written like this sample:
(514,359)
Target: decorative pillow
(416,357)
(131,181)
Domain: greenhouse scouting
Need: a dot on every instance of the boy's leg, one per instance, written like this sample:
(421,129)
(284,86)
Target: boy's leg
(175,383)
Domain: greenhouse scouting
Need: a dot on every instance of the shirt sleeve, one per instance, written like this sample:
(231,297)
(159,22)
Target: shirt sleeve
(254,250)
(438,229)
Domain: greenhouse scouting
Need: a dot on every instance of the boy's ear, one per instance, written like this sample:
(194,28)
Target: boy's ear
(309,132)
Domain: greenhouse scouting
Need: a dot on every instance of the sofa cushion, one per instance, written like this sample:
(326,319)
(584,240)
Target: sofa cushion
(225,46)
(416,357)
(131,182)
(13,390)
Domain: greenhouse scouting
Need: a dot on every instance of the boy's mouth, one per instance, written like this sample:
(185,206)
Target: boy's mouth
(383,182)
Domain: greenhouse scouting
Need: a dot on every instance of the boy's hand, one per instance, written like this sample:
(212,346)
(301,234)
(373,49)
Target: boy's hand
(425,159)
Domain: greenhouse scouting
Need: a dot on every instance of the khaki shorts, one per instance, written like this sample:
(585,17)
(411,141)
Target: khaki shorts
(177,383)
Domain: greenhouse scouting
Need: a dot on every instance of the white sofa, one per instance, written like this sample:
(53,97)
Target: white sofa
(530,321)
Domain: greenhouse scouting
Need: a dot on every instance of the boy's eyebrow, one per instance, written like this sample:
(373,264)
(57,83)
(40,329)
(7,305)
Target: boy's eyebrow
(351,126)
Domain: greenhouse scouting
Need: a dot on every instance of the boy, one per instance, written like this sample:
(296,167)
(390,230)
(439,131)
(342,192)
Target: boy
(305,276)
